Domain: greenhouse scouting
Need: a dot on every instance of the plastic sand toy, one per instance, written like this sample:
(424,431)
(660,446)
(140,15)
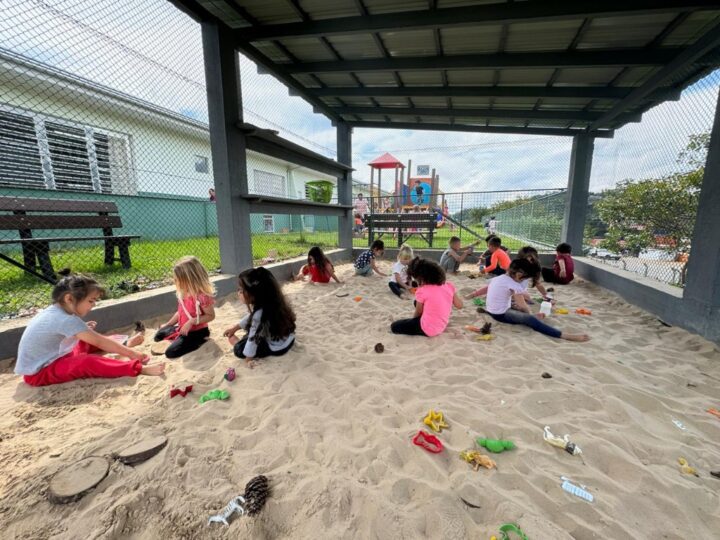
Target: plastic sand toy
(235,505)
(714,412)
(479,301)
(578,491)
(510,527)
(435,421)
(429,442)
(486,337)
(583,311)
(477,460)
(495,446)
(357,298)
(685,467)
(561,311)
(561,442)
(214,394)
(180,390)
(230,374)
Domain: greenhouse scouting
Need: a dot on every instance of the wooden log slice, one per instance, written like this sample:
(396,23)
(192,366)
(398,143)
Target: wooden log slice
(72,483)
(141,451)
(159,348)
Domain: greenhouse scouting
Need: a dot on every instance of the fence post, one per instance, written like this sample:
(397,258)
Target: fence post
(577,193)
(462,215)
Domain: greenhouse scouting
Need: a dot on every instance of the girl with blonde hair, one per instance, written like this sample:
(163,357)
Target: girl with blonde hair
(399,281)
(188,328)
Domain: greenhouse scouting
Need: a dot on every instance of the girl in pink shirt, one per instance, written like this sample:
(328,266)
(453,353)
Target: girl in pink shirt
(434,300)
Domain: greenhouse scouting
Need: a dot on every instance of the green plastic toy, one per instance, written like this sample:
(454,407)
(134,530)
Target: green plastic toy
(214,394)
(479,301)
(494,445)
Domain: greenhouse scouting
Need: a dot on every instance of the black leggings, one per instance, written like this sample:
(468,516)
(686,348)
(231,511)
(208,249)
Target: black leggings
(410,327)
(395,288)
(263,349)
(182,344)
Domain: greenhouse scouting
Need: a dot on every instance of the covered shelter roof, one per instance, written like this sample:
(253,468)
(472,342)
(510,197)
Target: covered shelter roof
(503,66)
(386,161)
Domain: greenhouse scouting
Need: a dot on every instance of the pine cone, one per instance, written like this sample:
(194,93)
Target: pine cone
(256,493)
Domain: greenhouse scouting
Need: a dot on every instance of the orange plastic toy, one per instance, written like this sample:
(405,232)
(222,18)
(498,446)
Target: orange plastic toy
(714,412)
(357,298)
(583,311)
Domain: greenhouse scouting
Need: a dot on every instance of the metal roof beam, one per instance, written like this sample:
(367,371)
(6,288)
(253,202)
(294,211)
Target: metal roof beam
(554,132)
(682,61)
(502,13)
(579,116)
(586,92)
(607,57)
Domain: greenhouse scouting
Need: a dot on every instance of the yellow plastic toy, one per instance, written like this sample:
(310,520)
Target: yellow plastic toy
(477,460)
(562,311)
(685,467)
(435,421)
(486,337)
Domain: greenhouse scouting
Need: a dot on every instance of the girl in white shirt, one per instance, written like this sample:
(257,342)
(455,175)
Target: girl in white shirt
(270,325)
(399,281)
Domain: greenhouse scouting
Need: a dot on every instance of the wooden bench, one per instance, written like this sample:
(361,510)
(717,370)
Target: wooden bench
(405,226)
(26,214)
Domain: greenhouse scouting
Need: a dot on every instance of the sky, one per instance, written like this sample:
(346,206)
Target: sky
(151,50)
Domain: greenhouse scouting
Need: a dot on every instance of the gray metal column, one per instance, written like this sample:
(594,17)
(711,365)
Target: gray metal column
(702,290)
(222,76)
(344,156)
(576,205)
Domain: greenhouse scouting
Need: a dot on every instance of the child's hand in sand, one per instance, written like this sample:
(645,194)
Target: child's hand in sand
(144,358)
(540,315)
(185,330)
(230,332)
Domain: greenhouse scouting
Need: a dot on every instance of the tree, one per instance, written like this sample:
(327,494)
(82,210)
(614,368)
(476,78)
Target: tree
(638,213)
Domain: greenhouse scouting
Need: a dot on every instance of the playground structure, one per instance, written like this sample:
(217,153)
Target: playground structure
(421,190)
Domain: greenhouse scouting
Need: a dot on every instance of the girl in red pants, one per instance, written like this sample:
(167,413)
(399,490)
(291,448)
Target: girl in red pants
(57,345)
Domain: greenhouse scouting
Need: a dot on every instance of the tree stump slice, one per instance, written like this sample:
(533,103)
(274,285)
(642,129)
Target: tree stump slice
(72,483)
(141,451)
(159,348)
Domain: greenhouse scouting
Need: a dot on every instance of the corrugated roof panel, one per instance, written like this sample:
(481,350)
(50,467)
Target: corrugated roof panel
(471,102)
(694,26)
(322,9)
(571,104)
(394,6)
(636,76)
(463,3)
(337,79)
(380,78)
(541,36)
(553,123)
(439,101)
(270,12)
(421,78)
(471,39)
(308,49)
(525,76)
(519,103)
(271,51)
(353,101)
(355,46)
(410,43)
(467,77)
(433,119)
(624,32)
(307,80)
(581,76)
(393,101)
(225,13)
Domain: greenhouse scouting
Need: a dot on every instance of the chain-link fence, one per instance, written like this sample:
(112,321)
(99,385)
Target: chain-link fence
(520,217)
(645,187)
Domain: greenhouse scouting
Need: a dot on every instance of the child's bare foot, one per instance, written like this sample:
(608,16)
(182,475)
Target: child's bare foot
(138,336)
(233,340)
(250,363)
(575,337)
(154,370)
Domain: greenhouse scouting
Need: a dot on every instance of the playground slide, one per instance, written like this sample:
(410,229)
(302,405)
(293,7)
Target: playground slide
(464,228)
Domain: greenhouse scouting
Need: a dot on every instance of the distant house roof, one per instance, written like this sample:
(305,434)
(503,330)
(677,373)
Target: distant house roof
(386,161)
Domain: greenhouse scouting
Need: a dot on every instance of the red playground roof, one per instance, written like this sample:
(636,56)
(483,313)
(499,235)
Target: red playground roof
(386,161)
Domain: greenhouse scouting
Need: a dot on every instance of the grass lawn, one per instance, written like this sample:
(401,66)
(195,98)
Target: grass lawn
(22,295)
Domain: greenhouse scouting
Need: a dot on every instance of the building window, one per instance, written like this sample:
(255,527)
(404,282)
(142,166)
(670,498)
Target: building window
(46,153)
(272,185)
(268,223)
(201,164)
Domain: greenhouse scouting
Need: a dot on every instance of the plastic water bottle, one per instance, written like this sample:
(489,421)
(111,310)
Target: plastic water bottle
(546,308)
(568,486)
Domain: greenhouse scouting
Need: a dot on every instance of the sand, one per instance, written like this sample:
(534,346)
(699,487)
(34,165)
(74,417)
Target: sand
(330,424)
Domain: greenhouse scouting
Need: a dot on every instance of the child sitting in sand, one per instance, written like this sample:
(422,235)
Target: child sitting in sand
(57,345)
(434,300)
(318,267)
(506,289)
(529,253)
(563,268)
(499,259)
(399,281)
(454,255)
(270,325)
(365,263)
(188,328)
